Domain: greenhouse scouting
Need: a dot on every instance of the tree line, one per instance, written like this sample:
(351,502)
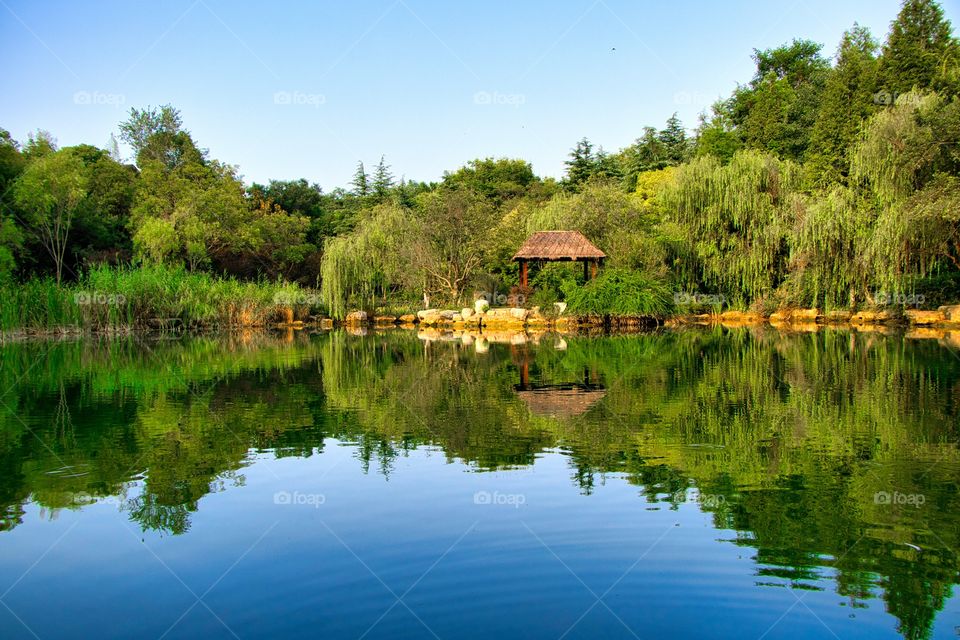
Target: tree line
(822,181)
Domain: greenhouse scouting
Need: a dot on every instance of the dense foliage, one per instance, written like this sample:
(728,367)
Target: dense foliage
(828,182)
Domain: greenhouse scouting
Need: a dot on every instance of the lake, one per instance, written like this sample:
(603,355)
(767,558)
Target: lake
(705,482)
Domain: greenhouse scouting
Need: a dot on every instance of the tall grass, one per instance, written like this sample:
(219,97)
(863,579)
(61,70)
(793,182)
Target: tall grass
(114,298)
(619,293)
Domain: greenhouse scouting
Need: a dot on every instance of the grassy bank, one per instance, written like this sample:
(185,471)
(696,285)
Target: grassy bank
(119,298)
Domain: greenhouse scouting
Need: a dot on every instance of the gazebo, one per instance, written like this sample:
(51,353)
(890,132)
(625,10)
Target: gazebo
(559,246)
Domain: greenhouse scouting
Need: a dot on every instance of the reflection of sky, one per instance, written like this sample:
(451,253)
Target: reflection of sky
(472,570)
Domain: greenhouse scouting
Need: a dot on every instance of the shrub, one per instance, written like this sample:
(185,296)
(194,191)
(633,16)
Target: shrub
(619,293)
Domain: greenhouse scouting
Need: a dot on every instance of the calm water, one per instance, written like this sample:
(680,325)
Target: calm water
(704,483)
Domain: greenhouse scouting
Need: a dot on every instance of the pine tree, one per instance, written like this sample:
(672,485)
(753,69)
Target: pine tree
(674,139)
(920,51)
(848,99)
(582,163)
(360,182)
(382,180)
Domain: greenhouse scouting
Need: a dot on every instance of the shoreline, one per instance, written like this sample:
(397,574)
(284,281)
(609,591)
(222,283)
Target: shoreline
(943,323)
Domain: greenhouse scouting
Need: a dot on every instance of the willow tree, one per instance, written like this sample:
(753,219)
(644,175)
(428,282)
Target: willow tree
(909,162)
(733,221)
(369,263)
(828,251)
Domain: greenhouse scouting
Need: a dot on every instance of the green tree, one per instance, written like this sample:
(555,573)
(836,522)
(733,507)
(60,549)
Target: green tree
(673,137)
(732,224)
(50,192)
(449,247)
(360,182)
(500,180)
(920,51)
(102,225)
(581,165)
(153,133)
(382,181)
(717,135)
(777,110)
(849,98)
(39,143)
(12,163)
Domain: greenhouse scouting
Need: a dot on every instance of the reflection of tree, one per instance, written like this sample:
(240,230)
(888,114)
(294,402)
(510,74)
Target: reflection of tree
(794,433)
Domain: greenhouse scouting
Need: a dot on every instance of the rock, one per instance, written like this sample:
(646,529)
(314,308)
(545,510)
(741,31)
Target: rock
(431,319)
(869,317)
(447,314)
(355,318)
(466,312)
(561,344)
(326,323)
(794,315)
(385,320)
(480,305)
(426,312)
(838,316)
(408,318)
(518,313)
(456,317)
(918,317)
(466,339)
(740,316)
(950,312)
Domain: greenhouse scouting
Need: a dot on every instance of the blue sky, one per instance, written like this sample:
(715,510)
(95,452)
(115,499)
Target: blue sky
(306,89)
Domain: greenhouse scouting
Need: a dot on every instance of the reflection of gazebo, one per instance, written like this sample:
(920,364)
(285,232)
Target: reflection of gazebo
(559,246)
(558,400)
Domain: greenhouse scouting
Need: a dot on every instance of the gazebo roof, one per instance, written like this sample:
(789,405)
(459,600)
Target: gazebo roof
(558,245)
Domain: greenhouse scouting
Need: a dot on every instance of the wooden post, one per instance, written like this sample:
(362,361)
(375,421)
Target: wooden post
(593,269)
(523,273)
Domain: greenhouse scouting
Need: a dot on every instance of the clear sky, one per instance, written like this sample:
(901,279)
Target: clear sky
(289,89)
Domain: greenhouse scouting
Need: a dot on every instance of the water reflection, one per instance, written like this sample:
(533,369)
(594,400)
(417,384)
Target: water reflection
(832,455)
